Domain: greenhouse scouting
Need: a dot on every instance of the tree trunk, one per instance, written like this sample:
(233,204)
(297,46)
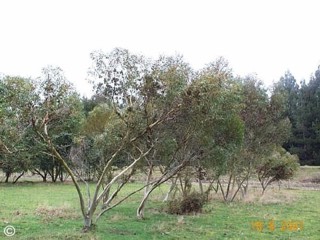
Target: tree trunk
(172,187)
(51,174)
(87,223)
(228,187)
(200,178)
(201,187)
(210,188)
(61,177)
(140,210)
(44,177)
(244,187)
(222,191)
(185,185)
(238,189)
(7,177)
(109,176)
(16,180)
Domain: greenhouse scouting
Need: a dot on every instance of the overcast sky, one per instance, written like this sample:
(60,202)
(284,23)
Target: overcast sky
(266,37)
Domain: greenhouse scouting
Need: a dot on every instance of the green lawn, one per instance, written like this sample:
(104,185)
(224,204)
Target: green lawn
(50,211)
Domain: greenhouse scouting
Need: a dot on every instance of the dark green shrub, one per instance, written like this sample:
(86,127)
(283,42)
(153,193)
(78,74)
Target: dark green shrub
(191,203)
(279,165)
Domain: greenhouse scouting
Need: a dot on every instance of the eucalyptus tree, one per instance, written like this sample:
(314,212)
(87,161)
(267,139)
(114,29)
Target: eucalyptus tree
(55,118)
(119,75)
(17,97)
(219,129)
(204,132)
(162,92)
(145,93)
(266,127)
(254,107)
(58,111)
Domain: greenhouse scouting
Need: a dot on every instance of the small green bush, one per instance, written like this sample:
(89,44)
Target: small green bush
(191,203)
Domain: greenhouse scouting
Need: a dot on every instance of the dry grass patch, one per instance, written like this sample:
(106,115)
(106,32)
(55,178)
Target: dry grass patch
(271,196)
(275,196)
(312,179)
(306,172)
(49,213)
(119,217)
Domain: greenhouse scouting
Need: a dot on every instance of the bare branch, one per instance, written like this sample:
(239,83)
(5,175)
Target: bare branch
(122,200)
(120,174)
(6,149)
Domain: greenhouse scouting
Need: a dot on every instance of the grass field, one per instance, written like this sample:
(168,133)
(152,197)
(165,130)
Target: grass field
(50,211)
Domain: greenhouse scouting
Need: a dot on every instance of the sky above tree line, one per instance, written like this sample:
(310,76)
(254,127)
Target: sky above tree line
(265,37)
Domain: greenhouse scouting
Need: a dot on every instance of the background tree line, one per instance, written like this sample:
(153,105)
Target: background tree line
(156,121)
(302,107)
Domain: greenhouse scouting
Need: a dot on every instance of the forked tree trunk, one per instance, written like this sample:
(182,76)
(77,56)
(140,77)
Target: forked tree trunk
(88,211)
(44,177)
(210,188)
(154,185)
(265,182)
(244,187)
(171,189)
(230,193)
(185,185)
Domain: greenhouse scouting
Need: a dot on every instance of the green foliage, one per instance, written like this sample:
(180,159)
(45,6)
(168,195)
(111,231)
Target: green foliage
(264,126)
(97,120)
(26,103)
(211,105)
(119,73)
(280,165)
(16,101)
(58,111)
